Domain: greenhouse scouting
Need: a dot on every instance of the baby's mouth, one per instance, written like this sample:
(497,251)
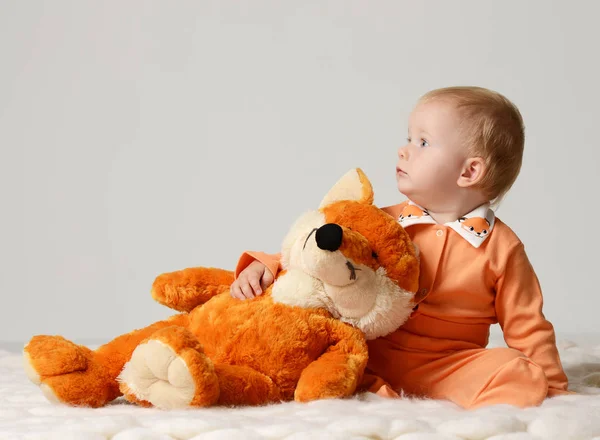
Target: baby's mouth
(401,171)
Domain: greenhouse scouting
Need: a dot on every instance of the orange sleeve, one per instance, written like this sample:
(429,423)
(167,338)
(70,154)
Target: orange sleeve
(272,261)
(519,309)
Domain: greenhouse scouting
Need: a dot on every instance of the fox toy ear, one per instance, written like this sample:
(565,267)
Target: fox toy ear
(354,186)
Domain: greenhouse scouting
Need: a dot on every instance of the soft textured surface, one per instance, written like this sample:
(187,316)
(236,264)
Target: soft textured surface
(25,414)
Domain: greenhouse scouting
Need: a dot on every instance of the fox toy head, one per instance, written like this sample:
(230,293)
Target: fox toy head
(351,258)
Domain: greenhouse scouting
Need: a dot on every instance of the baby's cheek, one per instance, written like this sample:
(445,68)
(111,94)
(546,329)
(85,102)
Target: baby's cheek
(424,177)
(441,176)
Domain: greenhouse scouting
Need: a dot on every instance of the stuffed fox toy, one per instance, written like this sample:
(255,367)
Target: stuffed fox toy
(349,274)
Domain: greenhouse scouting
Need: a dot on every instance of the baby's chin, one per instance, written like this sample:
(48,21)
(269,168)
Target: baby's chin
(411,194)
(403,189)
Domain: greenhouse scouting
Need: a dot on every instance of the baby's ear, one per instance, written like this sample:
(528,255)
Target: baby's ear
(353,186)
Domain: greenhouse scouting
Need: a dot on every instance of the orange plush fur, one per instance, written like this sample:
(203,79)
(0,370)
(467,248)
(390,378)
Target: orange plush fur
(303,339)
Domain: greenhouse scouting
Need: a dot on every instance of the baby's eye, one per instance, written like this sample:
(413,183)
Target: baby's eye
(424,143)
(408,139)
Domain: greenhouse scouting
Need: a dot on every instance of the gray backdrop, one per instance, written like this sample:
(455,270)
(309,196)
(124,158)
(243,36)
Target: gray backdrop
(140,137)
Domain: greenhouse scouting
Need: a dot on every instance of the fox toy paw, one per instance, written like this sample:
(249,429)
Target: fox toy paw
(170,370)
(67,372)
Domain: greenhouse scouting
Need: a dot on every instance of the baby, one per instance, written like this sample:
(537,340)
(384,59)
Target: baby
(463,153)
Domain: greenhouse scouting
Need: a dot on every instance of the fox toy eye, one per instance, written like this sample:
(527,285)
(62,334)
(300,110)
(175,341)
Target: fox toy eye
(374,255)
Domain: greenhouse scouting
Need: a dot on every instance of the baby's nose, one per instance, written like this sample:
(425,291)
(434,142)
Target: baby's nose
(329,237)
(402,152)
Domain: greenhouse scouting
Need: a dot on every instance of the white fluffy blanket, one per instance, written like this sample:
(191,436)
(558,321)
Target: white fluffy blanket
(25,414)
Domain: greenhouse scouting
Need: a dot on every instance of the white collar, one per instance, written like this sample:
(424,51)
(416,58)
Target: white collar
(474,227)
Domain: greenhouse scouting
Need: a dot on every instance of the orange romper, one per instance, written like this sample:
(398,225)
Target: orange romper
(474,273)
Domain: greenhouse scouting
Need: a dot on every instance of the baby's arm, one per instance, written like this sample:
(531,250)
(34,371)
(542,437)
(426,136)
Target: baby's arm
(255,272)
(519,310)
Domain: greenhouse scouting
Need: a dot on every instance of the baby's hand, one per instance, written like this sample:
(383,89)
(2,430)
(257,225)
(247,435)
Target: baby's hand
(252,281)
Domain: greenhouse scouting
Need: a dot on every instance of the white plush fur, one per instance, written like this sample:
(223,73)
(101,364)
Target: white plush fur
(26,414)
(391,309)
(29,370)
(297,288)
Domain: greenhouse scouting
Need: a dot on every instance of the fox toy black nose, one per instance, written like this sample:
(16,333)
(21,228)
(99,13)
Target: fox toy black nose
(329,237)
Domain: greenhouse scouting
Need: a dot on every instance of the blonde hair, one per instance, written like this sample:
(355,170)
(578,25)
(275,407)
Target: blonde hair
(495,132)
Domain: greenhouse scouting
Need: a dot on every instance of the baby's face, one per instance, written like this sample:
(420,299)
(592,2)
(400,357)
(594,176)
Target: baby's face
(431,162)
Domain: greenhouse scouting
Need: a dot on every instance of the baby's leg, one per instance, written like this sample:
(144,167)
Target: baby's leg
(481,377)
